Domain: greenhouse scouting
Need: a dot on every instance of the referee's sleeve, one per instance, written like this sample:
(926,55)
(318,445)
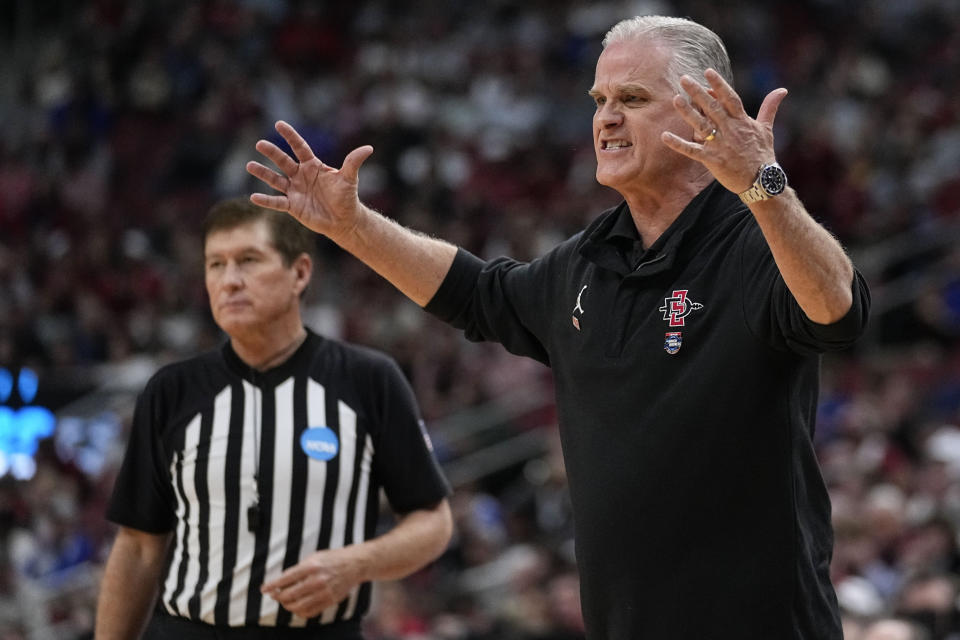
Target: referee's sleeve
(142,498)
(404,460)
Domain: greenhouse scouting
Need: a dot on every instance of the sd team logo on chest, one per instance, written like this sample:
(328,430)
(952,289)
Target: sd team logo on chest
(675,310)
(320,443)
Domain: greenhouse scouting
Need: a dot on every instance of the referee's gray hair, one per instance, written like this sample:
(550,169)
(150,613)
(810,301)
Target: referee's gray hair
(695,48)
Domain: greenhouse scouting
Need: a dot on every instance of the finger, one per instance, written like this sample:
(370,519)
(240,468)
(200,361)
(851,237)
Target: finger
(721,90)
(711,107)
(701,126)
(271,177)
(351,164)
(307,607)
(690,149)
(277,156)
(277,203)
(286,579)
(768,110)
(304,603)
(293,591)
(283,596)
(299,146)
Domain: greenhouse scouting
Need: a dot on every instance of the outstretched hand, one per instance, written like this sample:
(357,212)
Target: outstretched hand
(739,144)
(322,198)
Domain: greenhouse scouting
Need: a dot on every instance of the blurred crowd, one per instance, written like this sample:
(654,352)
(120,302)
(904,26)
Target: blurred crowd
(122,121)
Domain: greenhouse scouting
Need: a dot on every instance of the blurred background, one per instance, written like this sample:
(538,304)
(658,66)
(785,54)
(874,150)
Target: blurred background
(121,122)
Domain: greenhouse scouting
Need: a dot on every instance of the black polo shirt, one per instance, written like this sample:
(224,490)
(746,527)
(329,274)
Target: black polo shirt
(686,385)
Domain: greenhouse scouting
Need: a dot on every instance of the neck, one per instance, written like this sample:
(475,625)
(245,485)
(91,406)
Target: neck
(266,352)
(654,212)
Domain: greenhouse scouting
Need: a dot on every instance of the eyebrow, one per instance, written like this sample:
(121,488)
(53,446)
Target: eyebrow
(628,88)
(244,251)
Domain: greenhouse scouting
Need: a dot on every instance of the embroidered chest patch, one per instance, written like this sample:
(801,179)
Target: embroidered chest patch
(675,310)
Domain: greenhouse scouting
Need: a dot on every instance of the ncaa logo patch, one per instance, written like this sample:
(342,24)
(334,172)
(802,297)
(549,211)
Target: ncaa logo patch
(320,443)
(672,342)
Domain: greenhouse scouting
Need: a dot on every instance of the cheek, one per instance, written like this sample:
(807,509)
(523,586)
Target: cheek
(675,124)
(211,285)
(278,287)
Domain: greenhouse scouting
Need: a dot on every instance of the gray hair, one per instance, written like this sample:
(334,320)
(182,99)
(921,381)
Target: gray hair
(695,48)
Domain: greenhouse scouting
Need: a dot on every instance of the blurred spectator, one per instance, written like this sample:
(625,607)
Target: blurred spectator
(892,629)
(930,599)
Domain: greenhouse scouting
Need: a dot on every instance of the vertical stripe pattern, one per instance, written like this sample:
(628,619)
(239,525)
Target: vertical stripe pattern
(186,550)
(217,563)
(360,511)
(244,539)
(316,481)
(232,503)
(348,446)
(215,479)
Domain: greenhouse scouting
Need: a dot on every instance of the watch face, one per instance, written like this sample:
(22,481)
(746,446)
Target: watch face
(773,180)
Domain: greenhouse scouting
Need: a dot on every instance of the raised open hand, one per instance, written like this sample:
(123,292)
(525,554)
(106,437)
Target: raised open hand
(319,196)
(734,145)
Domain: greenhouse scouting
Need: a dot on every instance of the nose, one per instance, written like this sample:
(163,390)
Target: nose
(232,277)
(608,115)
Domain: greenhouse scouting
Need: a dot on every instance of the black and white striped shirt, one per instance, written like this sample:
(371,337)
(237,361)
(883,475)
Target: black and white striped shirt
(323,433)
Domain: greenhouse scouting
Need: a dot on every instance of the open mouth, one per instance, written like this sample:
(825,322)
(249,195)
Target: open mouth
(612,145)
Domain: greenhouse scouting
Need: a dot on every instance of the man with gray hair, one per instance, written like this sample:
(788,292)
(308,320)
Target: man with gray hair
(684,328)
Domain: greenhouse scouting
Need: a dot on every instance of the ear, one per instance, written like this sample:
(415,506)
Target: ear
(303,268)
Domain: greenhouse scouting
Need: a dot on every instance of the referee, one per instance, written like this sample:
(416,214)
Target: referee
(247,500)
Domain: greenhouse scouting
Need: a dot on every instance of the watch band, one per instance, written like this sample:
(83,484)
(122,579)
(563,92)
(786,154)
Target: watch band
(754,194)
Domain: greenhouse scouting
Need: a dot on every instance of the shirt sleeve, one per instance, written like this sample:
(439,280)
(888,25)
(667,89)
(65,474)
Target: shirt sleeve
(501,301)
(774,315)
(404,461)
(142,496)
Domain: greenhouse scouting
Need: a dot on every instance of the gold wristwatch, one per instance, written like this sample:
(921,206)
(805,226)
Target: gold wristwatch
(771,181)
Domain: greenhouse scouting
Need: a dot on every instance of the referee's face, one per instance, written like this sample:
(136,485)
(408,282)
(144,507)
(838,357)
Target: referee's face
(249,286)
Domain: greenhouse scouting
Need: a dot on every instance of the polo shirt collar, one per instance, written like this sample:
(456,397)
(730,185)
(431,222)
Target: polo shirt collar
(609,240)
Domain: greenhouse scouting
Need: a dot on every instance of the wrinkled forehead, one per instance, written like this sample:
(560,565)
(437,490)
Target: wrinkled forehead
(637,61)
